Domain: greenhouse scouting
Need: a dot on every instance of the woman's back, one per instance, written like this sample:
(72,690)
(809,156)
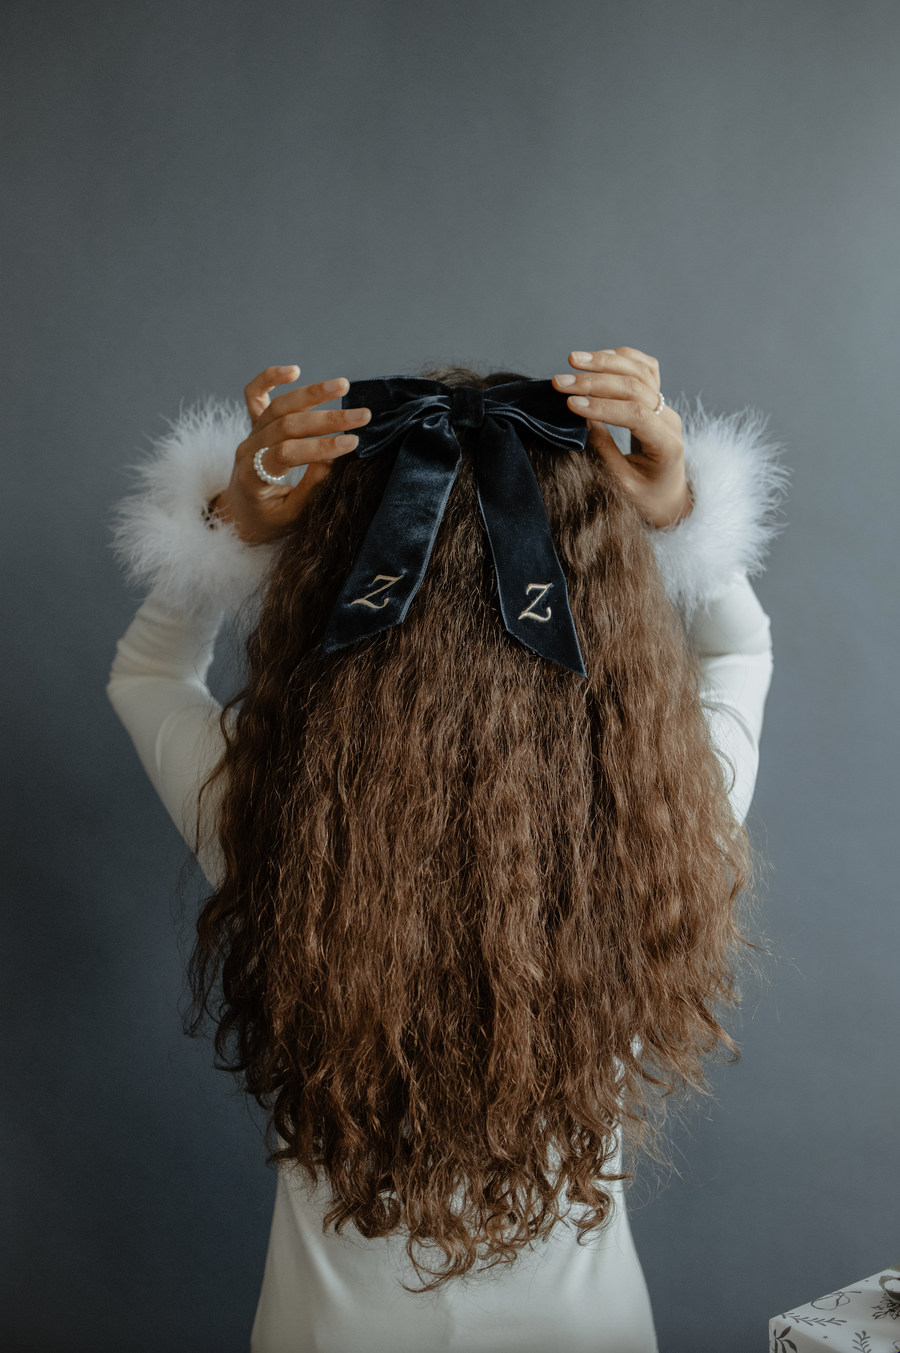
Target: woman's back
(324,1291)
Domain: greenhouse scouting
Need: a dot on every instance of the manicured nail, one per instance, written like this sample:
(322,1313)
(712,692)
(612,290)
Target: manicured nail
(345,443)
(582,357)
(565,380)
(579,401)
(334,385)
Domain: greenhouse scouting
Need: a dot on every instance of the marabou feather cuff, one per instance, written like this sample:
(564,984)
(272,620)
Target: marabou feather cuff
(162,536)
(737,485)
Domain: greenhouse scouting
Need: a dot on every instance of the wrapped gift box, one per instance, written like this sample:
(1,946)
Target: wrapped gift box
(864,1318)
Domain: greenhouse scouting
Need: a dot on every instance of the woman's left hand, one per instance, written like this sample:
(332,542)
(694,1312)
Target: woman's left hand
(621,386)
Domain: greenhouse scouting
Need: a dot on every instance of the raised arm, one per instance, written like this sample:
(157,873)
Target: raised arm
(202,534)
(708,486)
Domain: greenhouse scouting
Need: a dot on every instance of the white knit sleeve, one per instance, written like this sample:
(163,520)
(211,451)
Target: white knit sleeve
(737,485)
(162,535)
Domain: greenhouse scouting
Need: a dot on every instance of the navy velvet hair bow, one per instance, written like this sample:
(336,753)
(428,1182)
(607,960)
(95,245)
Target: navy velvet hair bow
(390,567)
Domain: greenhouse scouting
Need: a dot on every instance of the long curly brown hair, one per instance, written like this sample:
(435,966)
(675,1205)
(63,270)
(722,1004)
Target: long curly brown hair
(477,913)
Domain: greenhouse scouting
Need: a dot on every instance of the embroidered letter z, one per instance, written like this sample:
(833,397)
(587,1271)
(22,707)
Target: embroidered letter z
(542,589)
(386,583)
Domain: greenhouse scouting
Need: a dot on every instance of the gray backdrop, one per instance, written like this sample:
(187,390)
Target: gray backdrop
(196,190)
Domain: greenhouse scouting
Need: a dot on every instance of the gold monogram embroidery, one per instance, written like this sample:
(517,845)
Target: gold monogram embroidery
(386,583)
(542,589)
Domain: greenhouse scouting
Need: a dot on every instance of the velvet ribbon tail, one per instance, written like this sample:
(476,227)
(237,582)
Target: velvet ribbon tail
(531,585)
(400,538)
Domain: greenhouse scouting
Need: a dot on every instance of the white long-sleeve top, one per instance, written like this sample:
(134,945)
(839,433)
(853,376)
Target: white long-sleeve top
(346,1294)
(343,1293)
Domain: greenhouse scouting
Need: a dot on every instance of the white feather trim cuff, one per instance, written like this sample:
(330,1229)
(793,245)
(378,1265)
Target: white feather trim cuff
(161,535)
(737,485)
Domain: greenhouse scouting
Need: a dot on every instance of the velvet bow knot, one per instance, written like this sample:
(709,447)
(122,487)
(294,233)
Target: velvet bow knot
(422,415)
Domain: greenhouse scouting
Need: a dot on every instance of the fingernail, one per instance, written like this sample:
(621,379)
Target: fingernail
(334,385)
(345,443)
(579,401)
(565,380)
(582,357)
(611,351)
(286,369)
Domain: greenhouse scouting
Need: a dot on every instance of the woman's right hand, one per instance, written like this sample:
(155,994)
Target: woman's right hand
(289,433)
(620,386)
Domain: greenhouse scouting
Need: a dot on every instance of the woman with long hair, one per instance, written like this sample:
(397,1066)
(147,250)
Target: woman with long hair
(473,827)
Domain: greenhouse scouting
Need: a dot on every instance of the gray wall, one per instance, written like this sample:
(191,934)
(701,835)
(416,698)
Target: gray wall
(201,189)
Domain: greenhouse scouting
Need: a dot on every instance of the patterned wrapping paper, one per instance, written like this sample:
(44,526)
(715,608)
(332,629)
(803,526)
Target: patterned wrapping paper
(858,1319)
